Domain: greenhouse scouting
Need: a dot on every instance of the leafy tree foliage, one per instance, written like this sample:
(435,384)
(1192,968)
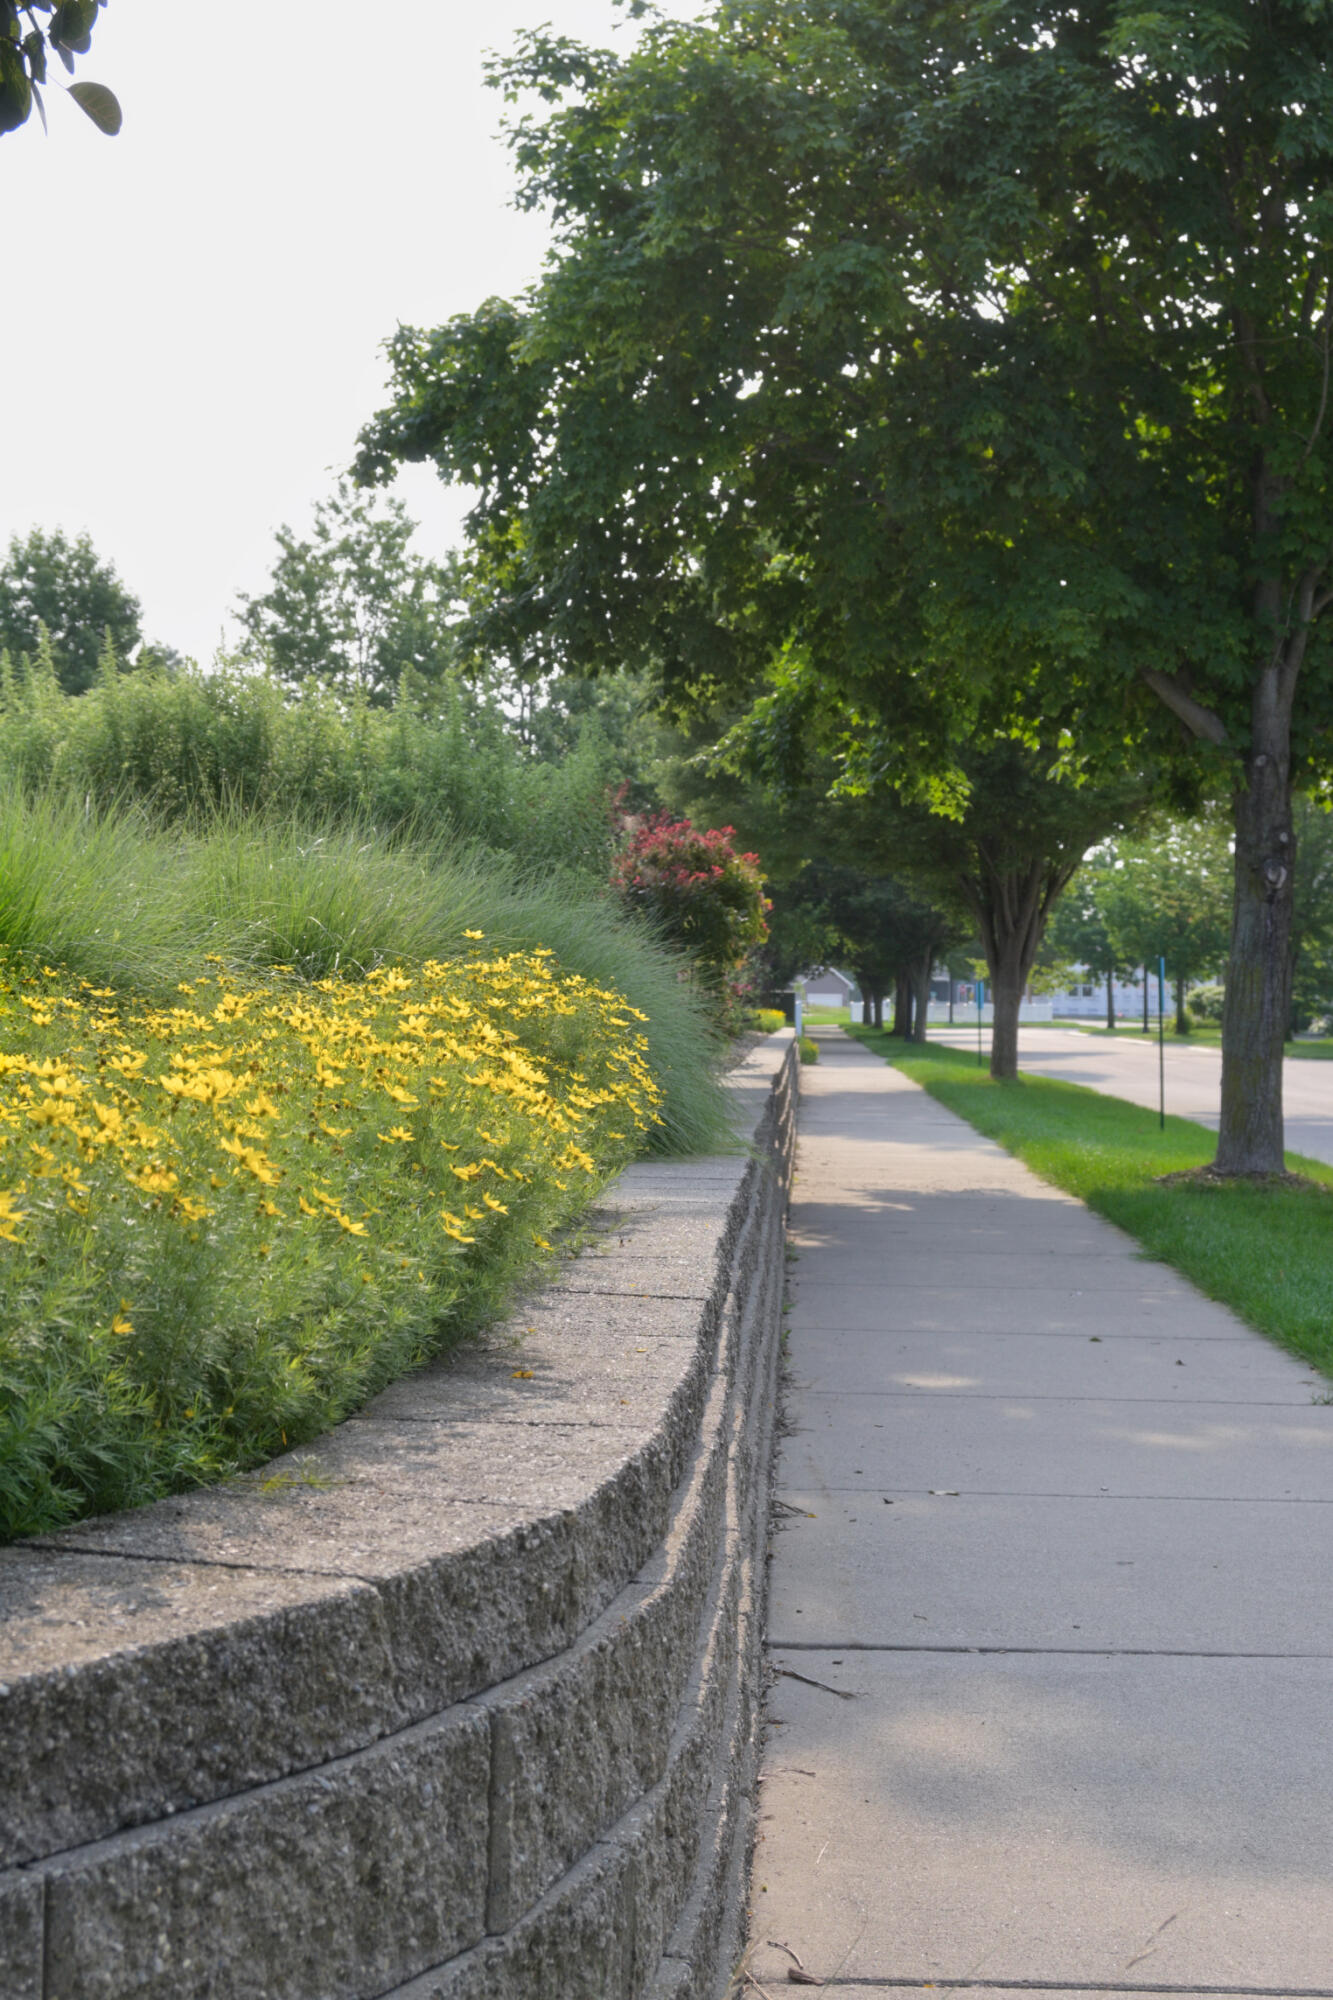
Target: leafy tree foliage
(23,69)
(48,580)
(914,343)
(1077,934)
(353,606)
(887,933)
(1168,897)
(1312,916)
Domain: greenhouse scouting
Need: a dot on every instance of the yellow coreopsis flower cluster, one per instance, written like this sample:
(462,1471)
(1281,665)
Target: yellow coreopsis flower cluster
(293,1110)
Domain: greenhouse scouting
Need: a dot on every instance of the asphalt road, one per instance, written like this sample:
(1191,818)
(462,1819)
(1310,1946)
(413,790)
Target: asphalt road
(1127,1067)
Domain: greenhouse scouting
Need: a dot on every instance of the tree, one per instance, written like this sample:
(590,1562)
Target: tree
(1167,898)
(23,60)
(831,913)
(353,606)
(1007,853)
(907,343)
(48,580)
(1077,933)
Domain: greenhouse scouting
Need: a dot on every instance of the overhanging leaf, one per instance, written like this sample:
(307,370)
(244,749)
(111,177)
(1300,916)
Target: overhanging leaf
(100,104)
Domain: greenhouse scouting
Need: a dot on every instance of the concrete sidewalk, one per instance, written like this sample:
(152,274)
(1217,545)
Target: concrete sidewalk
(1052,1595)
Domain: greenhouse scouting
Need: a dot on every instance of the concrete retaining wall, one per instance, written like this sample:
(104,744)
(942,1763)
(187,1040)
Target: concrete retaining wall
(458,1703)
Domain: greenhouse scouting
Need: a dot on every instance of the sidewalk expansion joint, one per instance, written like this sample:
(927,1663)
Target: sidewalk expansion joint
(1038,1652)
(871,1984)
(1030,1493)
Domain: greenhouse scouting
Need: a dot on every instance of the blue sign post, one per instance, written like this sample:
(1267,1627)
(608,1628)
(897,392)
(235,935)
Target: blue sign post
(1161,1045)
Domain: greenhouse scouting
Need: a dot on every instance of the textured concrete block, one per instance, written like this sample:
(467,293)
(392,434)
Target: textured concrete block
(575,1746)
(576,1945)
(337,1884)
(578,1741)
(21,1937)
(467,1594)
(532,1375)
(129,1689)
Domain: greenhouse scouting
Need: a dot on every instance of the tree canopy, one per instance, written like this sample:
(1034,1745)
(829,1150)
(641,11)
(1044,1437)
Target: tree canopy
(1167,897)
(48,580)
(23,69)
(352,605)
(893,350)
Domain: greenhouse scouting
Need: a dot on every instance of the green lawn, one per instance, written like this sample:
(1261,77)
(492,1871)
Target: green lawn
(1265,1252)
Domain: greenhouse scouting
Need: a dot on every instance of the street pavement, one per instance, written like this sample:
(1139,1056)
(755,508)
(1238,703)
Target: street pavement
(1050,1631)
(1127,1066)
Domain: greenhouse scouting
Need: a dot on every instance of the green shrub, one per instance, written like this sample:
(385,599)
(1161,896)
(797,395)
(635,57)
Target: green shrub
(768,1020)
(1205,1003)
(808,1050)
(189,744)
(701,896)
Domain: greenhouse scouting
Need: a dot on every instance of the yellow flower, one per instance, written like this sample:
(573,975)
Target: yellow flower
(261,1106)
(492,1203)
(474,934)
(122,1323)
(253,1161)
(466,1173)
(397,1135)
(192,1209)
(346,1222)
(204,1086)
(306,1207)
(401,1096)
(541,1242)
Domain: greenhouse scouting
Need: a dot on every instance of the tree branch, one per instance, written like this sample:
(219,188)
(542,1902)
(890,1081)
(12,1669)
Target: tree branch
(1198,719)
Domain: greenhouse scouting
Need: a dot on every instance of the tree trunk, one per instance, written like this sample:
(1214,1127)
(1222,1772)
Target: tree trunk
(921,998)
(902,1007)
(1250,1135)
(1008,983)
(1182,1017)
(876,1008)
(1110,1000)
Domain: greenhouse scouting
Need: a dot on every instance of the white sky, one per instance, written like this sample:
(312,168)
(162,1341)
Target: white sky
(195,308)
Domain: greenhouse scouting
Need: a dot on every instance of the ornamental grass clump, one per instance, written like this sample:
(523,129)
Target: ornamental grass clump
(228,1217)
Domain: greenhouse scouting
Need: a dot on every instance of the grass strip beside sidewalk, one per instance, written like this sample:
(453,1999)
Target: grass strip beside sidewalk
(1267,1252)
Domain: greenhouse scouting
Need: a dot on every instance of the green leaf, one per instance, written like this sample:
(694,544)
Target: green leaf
(71,27)
(15,89)
(100,104)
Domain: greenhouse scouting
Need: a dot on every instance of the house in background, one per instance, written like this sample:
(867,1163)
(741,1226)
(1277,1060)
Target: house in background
(827,987)
(1086,997)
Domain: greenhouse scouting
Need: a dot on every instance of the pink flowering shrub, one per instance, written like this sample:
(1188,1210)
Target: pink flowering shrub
(700,894)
